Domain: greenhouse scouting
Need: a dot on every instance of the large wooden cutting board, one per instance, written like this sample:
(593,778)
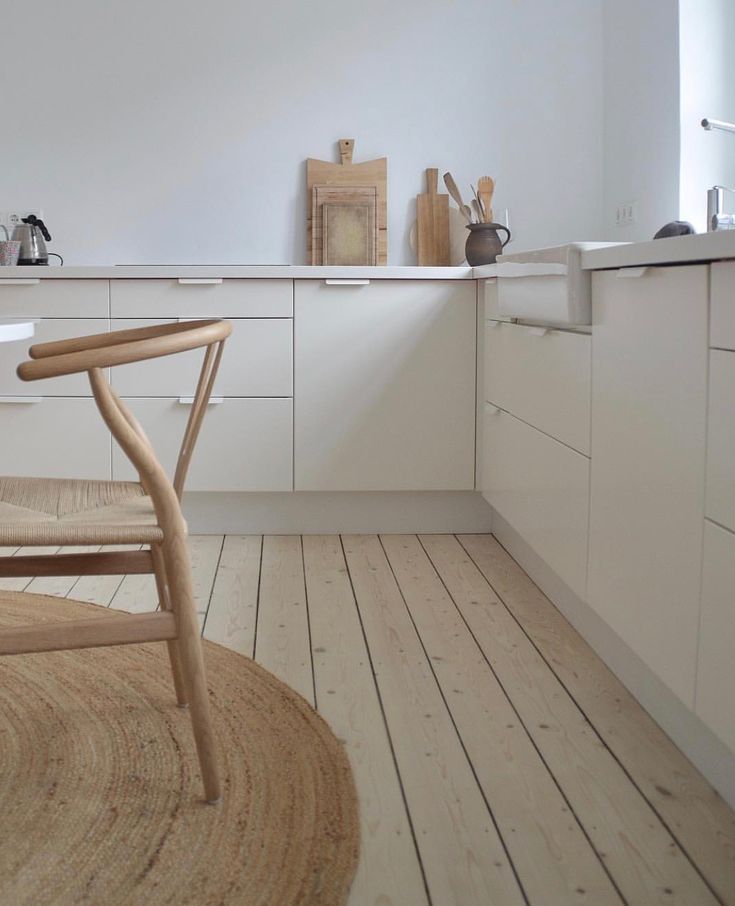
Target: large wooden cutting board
(345,173)
(432,216)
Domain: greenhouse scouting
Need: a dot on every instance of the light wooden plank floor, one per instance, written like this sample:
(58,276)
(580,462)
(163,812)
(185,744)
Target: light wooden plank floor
(498,761)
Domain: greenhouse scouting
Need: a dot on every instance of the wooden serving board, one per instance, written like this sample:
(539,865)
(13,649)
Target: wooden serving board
(349,234)
(432,216)
(371,173)
(348,195)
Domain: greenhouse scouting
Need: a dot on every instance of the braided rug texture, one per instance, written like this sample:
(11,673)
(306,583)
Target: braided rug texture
(100,794)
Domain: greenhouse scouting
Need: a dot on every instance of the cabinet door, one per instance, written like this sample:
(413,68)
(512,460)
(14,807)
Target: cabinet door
(53,437)
(257,361)
(385,386)
(649,396)
(244,445)
(720,501)
(541,487)
(716,665)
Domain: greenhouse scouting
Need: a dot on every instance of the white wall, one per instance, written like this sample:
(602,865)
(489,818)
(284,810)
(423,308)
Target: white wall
(641,123)
(707,36)
(170,132)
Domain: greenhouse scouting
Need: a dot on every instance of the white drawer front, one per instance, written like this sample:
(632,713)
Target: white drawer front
(214,299)
(47,330)
(244,445)
(720,496)
(541,488)
(722,305)
(53,298)
(257,361)
(489,290)
(53,438)
(543,377)
(716,664)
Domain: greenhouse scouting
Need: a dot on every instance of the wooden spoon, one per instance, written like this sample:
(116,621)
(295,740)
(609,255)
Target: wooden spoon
(485,189)
(457,196)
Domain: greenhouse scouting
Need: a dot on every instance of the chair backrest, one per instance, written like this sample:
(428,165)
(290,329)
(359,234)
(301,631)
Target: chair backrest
(95,353)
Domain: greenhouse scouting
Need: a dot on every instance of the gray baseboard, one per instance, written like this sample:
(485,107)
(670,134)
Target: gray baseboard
(705,750)
(364,512)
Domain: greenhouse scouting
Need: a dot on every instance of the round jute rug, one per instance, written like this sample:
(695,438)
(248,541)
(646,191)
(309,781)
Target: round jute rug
(100,795)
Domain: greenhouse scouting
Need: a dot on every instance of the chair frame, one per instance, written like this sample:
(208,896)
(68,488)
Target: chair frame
(176,622)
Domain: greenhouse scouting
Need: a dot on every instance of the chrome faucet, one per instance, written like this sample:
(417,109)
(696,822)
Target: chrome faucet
(716,217)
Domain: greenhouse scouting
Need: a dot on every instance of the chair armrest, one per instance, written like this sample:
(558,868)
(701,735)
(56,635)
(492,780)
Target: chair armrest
(120,347)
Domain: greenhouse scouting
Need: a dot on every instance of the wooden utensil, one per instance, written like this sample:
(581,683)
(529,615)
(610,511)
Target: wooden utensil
(432,214)
(485,189)
(370,174)
(457,196)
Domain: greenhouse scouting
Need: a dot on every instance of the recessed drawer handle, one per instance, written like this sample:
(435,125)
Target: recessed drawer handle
(189,400)
(347,282)
(21,281)
(492,410)
(200,281)
(21,400)
(632,271)
(539,331)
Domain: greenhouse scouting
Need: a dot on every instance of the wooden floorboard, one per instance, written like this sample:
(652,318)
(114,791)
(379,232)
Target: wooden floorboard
(702,823)
(497,759)
(552,855)
(389,872)
(464,859)
(282,630)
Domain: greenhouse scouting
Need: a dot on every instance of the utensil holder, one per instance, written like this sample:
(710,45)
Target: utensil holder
(483,244)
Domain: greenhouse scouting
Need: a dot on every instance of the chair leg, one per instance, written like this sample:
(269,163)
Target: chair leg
(189,646)
(159,567)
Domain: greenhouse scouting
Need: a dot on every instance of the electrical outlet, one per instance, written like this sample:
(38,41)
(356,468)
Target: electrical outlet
(626,213)
(11,219)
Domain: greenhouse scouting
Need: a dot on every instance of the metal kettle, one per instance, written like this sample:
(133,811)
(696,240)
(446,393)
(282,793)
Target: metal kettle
(32,235)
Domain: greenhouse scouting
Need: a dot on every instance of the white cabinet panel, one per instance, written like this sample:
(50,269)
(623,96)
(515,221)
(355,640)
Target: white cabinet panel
(720,502)
(257,361)
(47,331)
(542,376)
(716,665)
(53,298)
(244,445)
(649,366)
(53,438)
(722,315)
(214,299)
(541,487)
(385,385)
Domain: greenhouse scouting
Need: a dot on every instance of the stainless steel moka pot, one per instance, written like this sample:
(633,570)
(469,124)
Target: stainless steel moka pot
(32,234)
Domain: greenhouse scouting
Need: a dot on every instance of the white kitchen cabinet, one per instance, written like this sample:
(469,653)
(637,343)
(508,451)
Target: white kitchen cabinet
(720,501)
(384,385)
(47,330)
(722,315)
(716,665)
(257,361)
(53,437)
(649,394)
(23,297)
(542,376)
(244,445)
(541,487)
(190,297)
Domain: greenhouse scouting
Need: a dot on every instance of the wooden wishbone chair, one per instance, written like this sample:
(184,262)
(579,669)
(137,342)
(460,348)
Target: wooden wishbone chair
(44,511)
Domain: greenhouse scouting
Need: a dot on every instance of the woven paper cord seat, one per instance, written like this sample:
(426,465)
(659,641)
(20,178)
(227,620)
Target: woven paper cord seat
(40,511)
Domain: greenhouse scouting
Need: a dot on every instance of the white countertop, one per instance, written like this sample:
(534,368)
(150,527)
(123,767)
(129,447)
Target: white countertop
(678,250)
(267,272)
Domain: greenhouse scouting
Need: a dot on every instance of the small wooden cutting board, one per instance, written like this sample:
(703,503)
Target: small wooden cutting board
(432,215)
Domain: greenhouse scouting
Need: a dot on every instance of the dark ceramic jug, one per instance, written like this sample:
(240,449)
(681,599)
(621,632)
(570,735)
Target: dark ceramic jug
(483,244)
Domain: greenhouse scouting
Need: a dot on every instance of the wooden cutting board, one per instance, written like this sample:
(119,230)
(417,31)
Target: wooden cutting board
(367,174)
(349,234)
(348,195)
(432,216)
